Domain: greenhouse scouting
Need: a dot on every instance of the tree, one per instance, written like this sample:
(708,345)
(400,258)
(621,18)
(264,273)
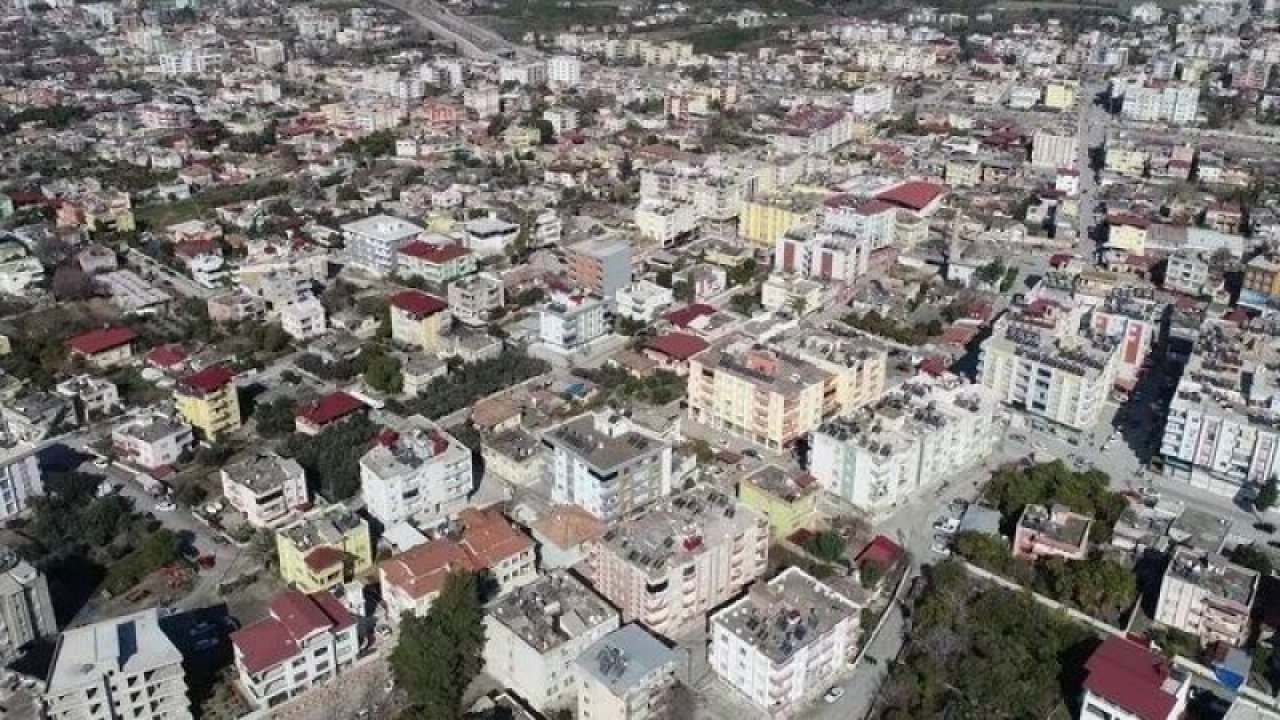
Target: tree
(440,653)
(275,418)
(332,458)
(1252,557)
(71,283)
(827,545)
(382,371)
(799,304)
(745,303)
(1268,496)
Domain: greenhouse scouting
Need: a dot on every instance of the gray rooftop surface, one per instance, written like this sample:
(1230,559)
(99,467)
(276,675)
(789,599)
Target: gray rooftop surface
(625,658)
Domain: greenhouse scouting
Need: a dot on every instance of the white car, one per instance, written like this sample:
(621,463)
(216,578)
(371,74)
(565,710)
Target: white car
(947,525)
(833,695)
(165,506)
(942,546)
(101,463)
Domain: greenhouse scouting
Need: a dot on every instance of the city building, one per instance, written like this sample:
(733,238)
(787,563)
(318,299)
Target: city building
(304,320)
(20,476)
(437,264)
(1127,680)
(568,322)
(125,668)
(564,71)
(766,220)
(788,500)
(104,349)
(514,456)
(784,640)
(601,267)
(643,301)
(417,472)
(480,541)
(766,396)
(1206,595)
(267,488)
(922,432)
(417,319)
(490,236)
(26,610)
(94,397)
(1160,102)
(607,465)
(1050,369)
(1261,288)
(209,402)
(535,634)
(626,675)
(372,244)
(1135,319)
(1054,150)
(324,548)
(312,418)
(669,566)
(151,440)
(1053,531)
(304,642)
(825,253)
(473,299)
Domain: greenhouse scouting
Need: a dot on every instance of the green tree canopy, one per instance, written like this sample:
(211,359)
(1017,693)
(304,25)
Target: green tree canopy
(440,653)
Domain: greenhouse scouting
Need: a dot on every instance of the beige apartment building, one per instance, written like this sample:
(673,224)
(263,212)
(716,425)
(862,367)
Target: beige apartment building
(670,565)
(1208,596)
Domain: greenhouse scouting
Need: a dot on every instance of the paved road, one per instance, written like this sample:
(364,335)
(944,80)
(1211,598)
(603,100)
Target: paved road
(471,39)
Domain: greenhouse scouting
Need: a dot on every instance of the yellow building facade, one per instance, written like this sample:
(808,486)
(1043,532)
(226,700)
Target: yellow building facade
(209,402)
(324,548)
(789,503)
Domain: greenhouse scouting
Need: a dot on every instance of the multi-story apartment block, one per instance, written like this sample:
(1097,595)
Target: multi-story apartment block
(765,220)
(481,541)
(568,322)
(1160,102)
(436,263)
(564,71)
(151,440)
(772,397)
(823,254)
(669,566)
(1189,272)
(94,397)
(920,433)
(26,610)
(209,402)
(1047,367)
(125,668)
(104,348)
(643,301)
(515,456)
(784,640)
(474,298)
(534,636)
(1054,150)
(788,500)
(324,548)
(601,267)
(607,465)
(1053,531)
(417,319)
(372,244)
(304,320)
(1261,288)
(1135,319)
(1204,594)
(267,488)
(1219,431)
(1130,681)
(304,642)
(417,472)
(626,675)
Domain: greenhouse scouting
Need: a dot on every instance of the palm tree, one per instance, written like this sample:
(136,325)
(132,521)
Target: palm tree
(799,304)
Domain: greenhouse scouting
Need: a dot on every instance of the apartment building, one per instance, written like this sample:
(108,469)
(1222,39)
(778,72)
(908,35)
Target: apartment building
(1051,532)
(125,668)
(26,610)
(788,500)
(20,477)
(600,266)
(669,566)
(1204,594)
(1261,288)
(209,402)
(324,548)
(304,642)
(626,675)
(1127,680)
(1135,319)
(860,366)
(515,456)
(607,465)
(643,301)
(418,319)
(373,244)
(104,348)
(480,541)
(417,472)
(473,299)
(767,396)
(1053,150)
(1154,101)
(825,254)
(568,322)
(269,489)
(784,640)
(534,636)
(1189,272)
(151,440)
(564,71)
(436,263)
(94,397)
(1049,368)
(304,320)
(766,220)
(1218,433)
(922,432)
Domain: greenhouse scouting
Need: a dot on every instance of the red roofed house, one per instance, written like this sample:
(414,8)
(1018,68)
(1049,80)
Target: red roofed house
(487,541)
(1129,681)
(167,357)
(306,641)
(417,319)
(437,264)
(881,552)
(689,315)
(315,416)
(673,350)
(105,348)
(915,195)
(209,401)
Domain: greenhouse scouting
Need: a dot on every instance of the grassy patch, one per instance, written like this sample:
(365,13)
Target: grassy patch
(726,38)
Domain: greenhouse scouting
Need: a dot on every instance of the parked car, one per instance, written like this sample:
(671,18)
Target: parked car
(165,506)
(941,545)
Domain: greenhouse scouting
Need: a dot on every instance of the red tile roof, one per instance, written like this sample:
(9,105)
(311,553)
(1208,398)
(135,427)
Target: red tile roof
(874,206)
(913,195)
(96,341)
(323,558)
(166,356)
(208,380)
(331,407)
(678,346)
(487,539)
(689,313)
(294,617)
(418,303)
(880,551)
(1131,676)
(434,253)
